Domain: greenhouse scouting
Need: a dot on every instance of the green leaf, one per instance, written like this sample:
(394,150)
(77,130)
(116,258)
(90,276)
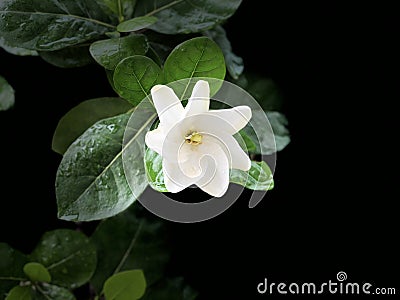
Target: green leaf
(197,57)
(185,16)
(170,289)
(234,63)
(135,76)
(249,145)
(91,183)
(20,293)
(126,242)
(259,177)
(155,176)
(11,264)
(82,116)
(136,24)
(37,272)
(16,50)
(278,123)
(48,25)
(70,57)
(52,292)
(128,285)
(7,97)
(119,10)
(108,53)
(68,255)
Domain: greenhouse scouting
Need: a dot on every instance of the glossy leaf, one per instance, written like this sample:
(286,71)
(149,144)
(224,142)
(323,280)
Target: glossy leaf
(20,293)
(136,244)
(259,177)
(82,116)
(70,57)
(68,255)
(135,76)
(16,50)
(155,175)
(136,24)
(170,289)
(119,10)
(37,272)
(108,53)
(185,16)
(7,97)
(52,292)
(234,63)
(47,25)
(91,183)
(128,285)
(11,265)
(197,57)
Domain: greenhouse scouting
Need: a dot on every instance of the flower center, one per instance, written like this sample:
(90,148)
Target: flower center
(193,138)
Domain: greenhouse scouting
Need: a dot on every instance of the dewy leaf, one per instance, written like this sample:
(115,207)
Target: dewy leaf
(234,63)
(135,76)
(84,115)
(185,16)
(52,292)
(16,50)
(167,289)
(68,255)
(91,183)
(136,24)
(70,57)
(37,272)
(11,265)
(128,285)
(7,97)
(126,242)
(155,176)
(197,57)
(48,25)
(259,177)
(108,53)
(20,293)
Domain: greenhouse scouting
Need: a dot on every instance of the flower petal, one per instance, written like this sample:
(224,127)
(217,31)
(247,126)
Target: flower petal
(175,180)
(237,117)
(199,102)
(169,107)
(154,140)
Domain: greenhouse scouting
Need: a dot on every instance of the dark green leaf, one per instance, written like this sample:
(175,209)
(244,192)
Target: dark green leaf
(108,53)
(136,24)
(68,255)
(259,177)
(16,50)
(126,242)
(91,182)
(170,289)
(52,292)
(70,57)
(20,293)
(249,145)
(128,285)
(47,25)
(155,176)
(234,63)
(37,272)
(197,57)
(7,97)
(185,16)
(135,76)
(119,10)
(11,265)
(82,116)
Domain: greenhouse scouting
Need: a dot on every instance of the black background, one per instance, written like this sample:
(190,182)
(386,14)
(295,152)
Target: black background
(334,203)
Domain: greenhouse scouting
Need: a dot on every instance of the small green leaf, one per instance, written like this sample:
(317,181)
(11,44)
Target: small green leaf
(82,116)
(70,57)
(20,293)
(185,16)
(197,57)
(167,289)
(259,177)
(136,24)
(37,272)
(128,285)
(234,63)
(68,255)
(108,53)
(118,10)
(7,97)
(47,291)
(249,145)
(135,76)
(155,176)
(16,50)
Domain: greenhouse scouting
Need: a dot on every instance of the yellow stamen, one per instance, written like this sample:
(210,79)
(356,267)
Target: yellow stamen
(193,138)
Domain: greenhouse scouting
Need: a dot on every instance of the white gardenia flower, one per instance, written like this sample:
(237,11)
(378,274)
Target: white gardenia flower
(197,144)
